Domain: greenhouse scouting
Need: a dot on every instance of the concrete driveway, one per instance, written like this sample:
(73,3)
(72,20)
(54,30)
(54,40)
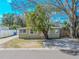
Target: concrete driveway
(34,54)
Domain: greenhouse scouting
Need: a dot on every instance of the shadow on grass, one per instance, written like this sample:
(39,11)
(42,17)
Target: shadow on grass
(72,45)
(70,52)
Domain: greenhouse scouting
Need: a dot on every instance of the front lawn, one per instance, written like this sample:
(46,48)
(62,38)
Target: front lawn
(21,43)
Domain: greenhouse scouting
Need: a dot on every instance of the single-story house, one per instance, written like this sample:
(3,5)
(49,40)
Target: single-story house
(25,33)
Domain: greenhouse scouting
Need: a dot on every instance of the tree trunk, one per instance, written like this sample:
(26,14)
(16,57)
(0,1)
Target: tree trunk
(45,34)
(72,33)
(73,30)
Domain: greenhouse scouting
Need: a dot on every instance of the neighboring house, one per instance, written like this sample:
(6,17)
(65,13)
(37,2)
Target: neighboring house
(54,32)
(5,32)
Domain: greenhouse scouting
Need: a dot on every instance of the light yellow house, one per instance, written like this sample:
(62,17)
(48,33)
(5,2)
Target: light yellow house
(54,32)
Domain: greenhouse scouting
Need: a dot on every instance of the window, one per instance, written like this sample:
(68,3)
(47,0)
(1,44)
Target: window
(23,31)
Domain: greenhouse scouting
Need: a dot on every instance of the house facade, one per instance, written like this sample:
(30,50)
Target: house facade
(25,33)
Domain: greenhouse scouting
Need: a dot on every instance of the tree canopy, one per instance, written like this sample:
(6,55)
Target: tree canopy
(39,20)
(12,21)
(66,7)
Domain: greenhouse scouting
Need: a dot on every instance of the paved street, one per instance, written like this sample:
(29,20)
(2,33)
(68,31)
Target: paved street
(35,54)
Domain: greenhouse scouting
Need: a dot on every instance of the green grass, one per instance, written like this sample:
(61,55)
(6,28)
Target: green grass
(21,43)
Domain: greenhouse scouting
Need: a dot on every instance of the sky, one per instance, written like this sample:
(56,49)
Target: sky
(6,8)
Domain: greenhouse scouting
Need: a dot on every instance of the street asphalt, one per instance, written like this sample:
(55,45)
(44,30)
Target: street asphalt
(35,54)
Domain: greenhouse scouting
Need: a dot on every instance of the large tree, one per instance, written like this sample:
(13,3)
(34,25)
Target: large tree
(67,7)
(39,20)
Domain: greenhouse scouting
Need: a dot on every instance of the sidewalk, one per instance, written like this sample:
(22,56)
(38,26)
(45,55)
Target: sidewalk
(4,40)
